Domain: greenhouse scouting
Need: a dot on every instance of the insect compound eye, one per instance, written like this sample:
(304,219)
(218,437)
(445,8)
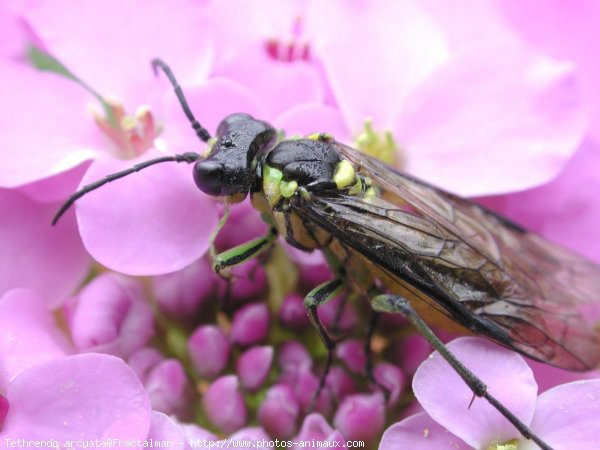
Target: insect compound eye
(208,176)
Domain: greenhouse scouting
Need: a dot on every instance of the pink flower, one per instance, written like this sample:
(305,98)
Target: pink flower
(65,144)
(28,243)
(29,336)
(90,396)
(472,103)
(444,395)
(468,122)
(111,315)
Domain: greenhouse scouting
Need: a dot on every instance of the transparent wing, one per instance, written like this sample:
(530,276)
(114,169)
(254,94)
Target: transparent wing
(479,269)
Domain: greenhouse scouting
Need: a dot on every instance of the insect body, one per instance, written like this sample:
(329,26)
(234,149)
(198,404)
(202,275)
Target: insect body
(402,241)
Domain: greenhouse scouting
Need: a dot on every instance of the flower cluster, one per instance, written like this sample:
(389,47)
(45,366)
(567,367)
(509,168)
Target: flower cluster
(113,324)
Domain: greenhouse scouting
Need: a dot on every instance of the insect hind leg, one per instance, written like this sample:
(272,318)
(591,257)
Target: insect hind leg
(399,305)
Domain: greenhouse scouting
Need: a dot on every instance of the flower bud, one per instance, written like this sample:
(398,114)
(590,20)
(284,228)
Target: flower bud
(305,388)
(293,357)
(292,313)
(253,366)
(340,383)
(331,318)
(143,361)
(411,352)
(209,350)
(243,225)
(352,353)
(182,294)
(314,427)
(250,324)
(361,417)
(111,316)
(224,404)
(248,281)
(169,389)
(278,413)
(252,434)
(390,377)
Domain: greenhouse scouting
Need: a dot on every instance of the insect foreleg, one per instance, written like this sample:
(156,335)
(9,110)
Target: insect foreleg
(243,252)
(396,304)
(315,298)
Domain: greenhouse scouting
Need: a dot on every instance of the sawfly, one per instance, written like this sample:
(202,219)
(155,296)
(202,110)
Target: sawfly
(407,245)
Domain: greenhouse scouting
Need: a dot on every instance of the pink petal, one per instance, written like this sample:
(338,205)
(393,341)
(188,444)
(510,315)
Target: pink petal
(62,136)
(112,316)
(563,30)
(568,415)
(372,68)
(211,103)
(117,40)
(483,125)
(55,188)
(168,429)
(151,222)
(13,42)
(445,397)
(164,428)
(28,242)
(29,335)
(238,22)
(469,22)
(312,118)
(280,85)
(565,210)
(89,396)
(419,432)
(548,376)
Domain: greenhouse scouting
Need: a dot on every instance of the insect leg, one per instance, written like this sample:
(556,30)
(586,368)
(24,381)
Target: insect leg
(315,298)
(369,354)
(243,252)
(399,305)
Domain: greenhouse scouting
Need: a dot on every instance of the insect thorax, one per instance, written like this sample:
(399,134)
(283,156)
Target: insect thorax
(295,173)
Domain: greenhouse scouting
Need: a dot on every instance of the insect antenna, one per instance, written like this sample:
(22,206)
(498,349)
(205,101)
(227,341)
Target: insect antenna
(201,132)
(189,158)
